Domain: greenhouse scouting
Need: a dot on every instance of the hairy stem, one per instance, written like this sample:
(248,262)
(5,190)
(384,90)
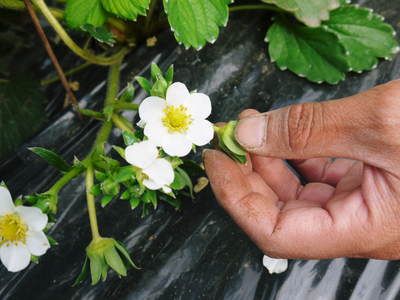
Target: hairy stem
(19,5)
(121,123)
(91,202)
(126,106)
(99,60)
(74,172)
(67,73)
(51,54)
(256,7)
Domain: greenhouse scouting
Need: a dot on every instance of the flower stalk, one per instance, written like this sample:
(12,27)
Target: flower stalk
(91,202)
(99,60)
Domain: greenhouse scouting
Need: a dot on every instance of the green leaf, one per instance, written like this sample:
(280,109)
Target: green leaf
(22,111)
(82,275)
(144,83)
(313,53)
(310,12)
(364,35)
(196,22)
(100,33)
(81,12)
(52,158)
(127,9)
(128,94)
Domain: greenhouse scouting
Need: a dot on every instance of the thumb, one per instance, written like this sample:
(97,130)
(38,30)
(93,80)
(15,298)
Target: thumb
(352,127)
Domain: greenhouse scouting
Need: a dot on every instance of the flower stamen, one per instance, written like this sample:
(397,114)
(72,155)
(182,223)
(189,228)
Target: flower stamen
(12,229)
(176,118)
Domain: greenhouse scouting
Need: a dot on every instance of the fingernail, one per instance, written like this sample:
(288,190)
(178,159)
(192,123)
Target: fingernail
(251,131)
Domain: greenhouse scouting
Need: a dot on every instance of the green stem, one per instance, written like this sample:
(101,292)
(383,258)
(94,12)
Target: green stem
(91,202)
(149,17)
(120,123)
(256,7)
(67,73)
(74,172)
(99,60)
(126,106)
(19,5)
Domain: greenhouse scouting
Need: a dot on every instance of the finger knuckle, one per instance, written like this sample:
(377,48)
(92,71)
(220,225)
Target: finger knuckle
(302,119)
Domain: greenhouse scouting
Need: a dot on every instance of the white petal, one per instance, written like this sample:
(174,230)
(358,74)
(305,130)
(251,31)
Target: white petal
(37,242)
(151,107)
(6,202)
(141,154)
(198,105)
(177,94)
(15,257)
(33,217)
(200,132)
(275,265)
(160,171)
(156,131)
(151,184)
(176,144)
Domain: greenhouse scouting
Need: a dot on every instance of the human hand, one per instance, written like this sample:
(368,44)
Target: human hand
(349,208)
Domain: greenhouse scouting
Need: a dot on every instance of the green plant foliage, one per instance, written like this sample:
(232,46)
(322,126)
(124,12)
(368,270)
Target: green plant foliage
(52,158)
(310,12)
(81,12)
(196,22)
(313,53)
(127,9)
(364,35)
(21,111)
(100,33)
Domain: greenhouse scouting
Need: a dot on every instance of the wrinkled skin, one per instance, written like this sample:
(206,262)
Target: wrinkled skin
(349,208)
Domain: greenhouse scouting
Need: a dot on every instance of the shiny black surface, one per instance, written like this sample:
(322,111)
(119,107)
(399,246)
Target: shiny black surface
(197,253)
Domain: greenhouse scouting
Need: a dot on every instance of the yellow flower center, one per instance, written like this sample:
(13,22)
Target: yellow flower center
(176,118)
(12,229)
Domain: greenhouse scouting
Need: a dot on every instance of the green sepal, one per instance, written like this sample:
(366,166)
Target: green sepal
(155,72)
(121,248)
(114,261)
(125,195)
(96,190)
(134,202)
(34,259)
(125,173)
(52,158)
(128,94)
(130,138)
(120,151)
(100,176)
(169,75)
(106,200)
(150,196)
(83,274)
(52,241)
(159,88)
(144,83)
(110,187)
(186,178)
(178,183)
(228,144)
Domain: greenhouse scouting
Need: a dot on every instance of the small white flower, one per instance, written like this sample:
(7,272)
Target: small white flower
(21,233)
(159,171)
(274,265)
(178,122)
